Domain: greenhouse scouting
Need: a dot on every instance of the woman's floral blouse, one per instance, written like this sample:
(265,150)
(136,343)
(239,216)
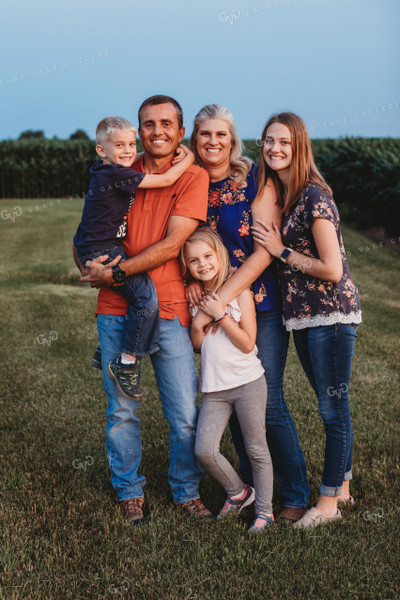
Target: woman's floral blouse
(307,301)
(229,213)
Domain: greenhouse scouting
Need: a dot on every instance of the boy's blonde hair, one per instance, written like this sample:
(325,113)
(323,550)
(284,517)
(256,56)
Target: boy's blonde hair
(110,124)
(212,239)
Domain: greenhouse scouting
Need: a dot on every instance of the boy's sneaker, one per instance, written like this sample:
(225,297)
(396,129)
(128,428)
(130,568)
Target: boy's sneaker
(126,377)
(235,506)
(96,360)
(261,523)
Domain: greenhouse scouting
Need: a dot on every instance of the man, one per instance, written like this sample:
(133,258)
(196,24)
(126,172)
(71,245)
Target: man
(158,224)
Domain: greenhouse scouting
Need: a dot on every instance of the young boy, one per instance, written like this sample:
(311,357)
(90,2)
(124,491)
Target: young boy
(102,230)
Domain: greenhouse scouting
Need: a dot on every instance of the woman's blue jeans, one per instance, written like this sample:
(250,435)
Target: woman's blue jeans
(283,442)
(325,353)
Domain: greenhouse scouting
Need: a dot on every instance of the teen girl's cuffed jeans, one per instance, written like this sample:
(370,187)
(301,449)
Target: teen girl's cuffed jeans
(325,353)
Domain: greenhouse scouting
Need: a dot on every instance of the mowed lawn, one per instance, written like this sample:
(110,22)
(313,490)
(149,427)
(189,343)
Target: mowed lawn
(61,535)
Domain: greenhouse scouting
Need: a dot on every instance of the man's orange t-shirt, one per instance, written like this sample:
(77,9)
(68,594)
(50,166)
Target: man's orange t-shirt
(147,224)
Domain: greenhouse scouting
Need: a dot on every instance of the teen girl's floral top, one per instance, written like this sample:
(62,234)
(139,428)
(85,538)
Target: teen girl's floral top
(308,301)
(229,213)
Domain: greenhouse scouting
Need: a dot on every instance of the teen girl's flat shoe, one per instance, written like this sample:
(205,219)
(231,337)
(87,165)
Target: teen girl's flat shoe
(313,517)
(349,500)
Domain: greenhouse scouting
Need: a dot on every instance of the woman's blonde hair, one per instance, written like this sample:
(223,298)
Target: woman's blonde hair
(212,239)
(239,165)
(303,170)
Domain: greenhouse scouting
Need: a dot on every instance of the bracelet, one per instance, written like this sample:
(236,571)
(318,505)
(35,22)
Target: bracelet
(221,318)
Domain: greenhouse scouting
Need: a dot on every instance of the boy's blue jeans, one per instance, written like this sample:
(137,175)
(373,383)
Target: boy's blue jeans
(142,329)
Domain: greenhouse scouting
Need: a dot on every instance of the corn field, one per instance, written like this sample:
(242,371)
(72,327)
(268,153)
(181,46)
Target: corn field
(364,173)
(365,177)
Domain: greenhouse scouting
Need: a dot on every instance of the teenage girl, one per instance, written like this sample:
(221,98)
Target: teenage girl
(320,301)
(231,377)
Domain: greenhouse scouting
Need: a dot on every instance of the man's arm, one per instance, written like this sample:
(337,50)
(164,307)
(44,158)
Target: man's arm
(179,229)
(83,270)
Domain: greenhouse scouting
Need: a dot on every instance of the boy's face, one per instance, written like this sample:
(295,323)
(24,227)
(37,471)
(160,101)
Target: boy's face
(120,148)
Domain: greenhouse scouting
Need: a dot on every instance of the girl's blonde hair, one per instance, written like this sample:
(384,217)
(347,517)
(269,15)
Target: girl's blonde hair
(239,165)
(303,170)
(212,239)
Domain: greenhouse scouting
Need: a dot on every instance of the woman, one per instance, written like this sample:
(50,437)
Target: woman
(232,206)
(320,302)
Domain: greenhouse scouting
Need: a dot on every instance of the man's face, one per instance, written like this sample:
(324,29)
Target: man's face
(159,130)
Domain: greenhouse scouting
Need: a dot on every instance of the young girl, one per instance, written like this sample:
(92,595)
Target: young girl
(231,377)
(320,302)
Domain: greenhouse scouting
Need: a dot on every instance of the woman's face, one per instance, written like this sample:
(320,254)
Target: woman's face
(214,143)
(277,149)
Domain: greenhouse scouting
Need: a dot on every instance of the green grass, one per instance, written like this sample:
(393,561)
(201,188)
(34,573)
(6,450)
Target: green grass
(61,536)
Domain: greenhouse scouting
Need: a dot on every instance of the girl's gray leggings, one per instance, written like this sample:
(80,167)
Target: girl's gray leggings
(249,401)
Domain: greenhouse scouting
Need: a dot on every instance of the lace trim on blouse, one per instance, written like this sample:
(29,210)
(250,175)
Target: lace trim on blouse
(317,320)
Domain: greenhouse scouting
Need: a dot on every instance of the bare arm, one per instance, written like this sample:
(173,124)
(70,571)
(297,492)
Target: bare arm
(194,292)
(179,229)
(328,267)
(242,335)
(160,180)
(197,332)
(265,208)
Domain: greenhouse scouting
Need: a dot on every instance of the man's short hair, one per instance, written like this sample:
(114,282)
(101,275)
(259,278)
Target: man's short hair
(110,124)
(160,99)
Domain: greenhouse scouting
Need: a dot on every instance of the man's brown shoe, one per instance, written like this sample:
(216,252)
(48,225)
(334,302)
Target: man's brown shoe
(196,507)
(132,510)
(289,513)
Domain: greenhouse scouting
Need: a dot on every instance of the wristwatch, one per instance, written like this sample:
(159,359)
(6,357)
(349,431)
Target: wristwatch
(285,254)
(119,276)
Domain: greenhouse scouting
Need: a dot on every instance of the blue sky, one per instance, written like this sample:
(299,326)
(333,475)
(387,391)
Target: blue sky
(64,66)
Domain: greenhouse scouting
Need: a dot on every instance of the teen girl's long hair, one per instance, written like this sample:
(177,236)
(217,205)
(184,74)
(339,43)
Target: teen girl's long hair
(303,170)
(239,165)
(212,239)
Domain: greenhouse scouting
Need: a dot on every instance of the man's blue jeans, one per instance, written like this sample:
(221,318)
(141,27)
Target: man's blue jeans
(176,377)
(283,442)
(325,353)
